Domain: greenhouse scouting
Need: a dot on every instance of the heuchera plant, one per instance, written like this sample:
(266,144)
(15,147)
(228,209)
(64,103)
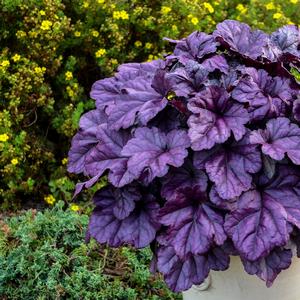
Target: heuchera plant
(202,153)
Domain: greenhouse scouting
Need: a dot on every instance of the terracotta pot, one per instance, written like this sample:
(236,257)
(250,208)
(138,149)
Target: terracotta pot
(236,284)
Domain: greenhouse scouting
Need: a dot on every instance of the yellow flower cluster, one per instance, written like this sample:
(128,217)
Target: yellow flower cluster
(50,199)
(120,14)
(277,16)
(14,161)
(77,33)
(194,20)
(46,25)
(5,63)
(95,33)
(68,75)
(4,137)
(148,45)
(241,8)
(64,161)
(165,10)
(138,43)
(42,13)
(16,57)
(209,7)
(270,6)
(39,70)
(101,52)
(74,207)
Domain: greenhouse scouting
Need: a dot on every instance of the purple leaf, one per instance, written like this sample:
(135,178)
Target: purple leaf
(82,145)
(137,229)
(238,37)
(185,176)
(287,40)
(267,268)
(218,259)
(216,62)
(214,117)
(180,274)
(155,151)
(280,137)
(139,102)
(107,156)
(230,168)
(263,215)
(195,46)
(194,225)
(92,119)
(296,109)
(266,96)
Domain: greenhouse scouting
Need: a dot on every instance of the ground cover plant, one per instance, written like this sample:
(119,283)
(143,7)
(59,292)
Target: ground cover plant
(42,256)
(201,152)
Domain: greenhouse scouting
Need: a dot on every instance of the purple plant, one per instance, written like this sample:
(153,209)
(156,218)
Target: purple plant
(201,151)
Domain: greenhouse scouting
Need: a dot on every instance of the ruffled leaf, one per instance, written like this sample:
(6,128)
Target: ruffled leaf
(138,228)
(154,151)
(214,117)
(280,137)
(230,168)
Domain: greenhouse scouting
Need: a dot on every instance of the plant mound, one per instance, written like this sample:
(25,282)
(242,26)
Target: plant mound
(201,151)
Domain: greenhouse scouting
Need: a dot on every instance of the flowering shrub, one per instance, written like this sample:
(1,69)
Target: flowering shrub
(201,151)
(52,51)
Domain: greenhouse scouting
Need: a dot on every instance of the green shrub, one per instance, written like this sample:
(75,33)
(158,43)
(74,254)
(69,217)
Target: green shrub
(53,50)
(42,256)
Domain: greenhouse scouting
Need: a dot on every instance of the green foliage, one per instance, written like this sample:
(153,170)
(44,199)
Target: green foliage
(42,257)
(53,50)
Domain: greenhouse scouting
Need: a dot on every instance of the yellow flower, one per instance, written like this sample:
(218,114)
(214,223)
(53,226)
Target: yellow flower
(68,75)
(190,16)
(70,92)
(46,25)
(240,7)
(174,27)
(270,6)
(85,4)
(75,85)
(50,199)
(74,207)
(42,12)
(277,16)
(165,10)
(77,33)
(64,161)
(122,14)
(138,43)
(39,70)
(294,1)
(195,20)
(100,1)
(148,45)
(209,7)
(114,61)
(4,137)
(5,63)
(101,52)
(20,34)
(16,57)
(14,161)
(95,33)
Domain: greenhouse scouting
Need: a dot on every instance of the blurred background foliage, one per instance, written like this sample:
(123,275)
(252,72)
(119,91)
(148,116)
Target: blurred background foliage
(51,51)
